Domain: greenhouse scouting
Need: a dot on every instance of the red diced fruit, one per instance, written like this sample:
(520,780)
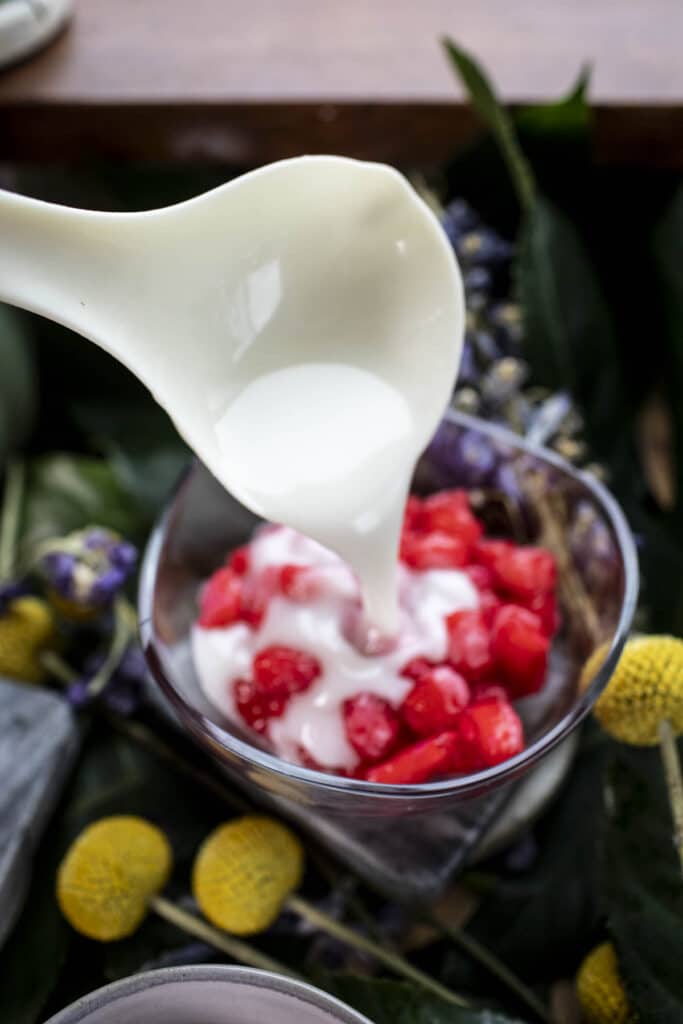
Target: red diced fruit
(412,517)
(487,552)
(489,605)
(418,763)
(372,726)
(482,577)
(220,601)
(255,706)
(520,648)
(449,512)
(256,594)
(525,572)
(308,761)
(299,582)
(416,668)
(437,550)
(285,670)
(545,606)
(490,732)
(435,702)
(239,560)
(482,692)
(469,645)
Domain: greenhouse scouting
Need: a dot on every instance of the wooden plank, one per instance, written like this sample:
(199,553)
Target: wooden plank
(251,81)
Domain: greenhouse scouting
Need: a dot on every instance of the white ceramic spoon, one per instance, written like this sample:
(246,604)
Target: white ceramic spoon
(302,326)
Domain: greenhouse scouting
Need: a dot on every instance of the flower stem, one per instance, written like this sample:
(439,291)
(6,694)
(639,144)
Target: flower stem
(144,737)
(393,961)
(124,631)
(674,781)
(492,963)
(235,948)
(55,665)
(11,516)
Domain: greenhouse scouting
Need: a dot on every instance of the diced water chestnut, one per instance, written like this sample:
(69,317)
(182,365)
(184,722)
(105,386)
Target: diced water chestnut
(435,702)
(436,550)
(220,600)
(457,717)
(469,645)
(490,732)
(372,726)
(520,648)
(449,512)
(418,763)
(255,706)
(285,670)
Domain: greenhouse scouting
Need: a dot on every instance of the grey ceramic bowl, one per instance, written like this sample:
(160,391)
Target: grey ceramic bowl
(208,995)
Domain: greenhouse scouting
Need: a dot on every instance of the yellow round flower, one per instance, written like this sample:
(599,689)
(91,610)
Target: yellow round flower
(27,628)
(70,610)
(600,990)
(110,873)
(244,871)
(647,686)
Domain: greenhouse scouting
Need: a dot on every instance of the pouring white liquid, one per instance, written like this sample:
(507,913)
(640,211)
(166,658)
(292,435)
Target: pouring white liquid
(337,469)
(302,325)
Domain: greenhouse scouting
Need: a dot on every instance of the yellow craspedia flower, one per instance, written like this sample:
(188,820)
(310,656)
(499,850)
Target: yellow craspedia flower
(27,628)
(600,990)
(70,610)
(647,686)
(110,873)
(244,871)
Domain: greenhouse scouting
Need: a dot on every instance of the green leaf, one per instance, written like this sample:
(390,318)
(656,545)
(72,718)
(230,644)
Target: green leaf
(18,386)
(568,332)
(644,887)
(144,449)
(669,259)
(68,492)
(499,121)
(541,921)
(567,117)
(390,1002)
(31,962)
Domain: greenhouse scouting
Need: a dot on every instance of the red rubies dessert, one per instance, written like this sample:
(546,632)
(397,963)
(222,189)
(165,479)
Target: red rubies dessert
(280,648)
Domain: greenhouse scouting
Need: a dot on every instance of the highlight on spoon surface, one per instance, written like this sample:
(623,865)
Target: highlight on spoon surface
(308,314)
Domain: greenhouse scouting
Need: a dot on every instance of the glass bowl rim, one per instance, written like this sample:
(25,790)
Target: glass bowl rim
(201,726)
(102,997)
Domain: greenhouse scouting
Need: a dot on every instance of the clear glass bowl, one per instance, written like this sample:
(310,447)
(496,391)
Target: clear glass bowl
(543,499)
(207,995)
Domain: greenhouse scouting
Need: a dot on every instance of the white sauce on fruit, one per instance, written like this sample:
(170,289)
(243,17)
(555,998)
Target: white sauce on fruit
(322,627)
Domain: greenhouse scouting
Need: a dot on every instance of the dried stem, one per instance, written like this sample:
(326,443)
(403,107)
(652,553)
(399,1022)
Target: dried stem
(11,516)
(393,961)
(492,963)
(570,584)
(674,781)
(235,948)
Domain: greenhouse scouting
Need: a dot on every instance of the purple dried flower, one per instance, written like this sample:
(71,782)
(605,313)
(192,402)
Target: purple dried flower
(9,591)
(468,457)
(457,219)
(59,568)
(97,539)
(77,693)
(133,664)
(478,279)
(106,586)
(123,555)
(468,372)
(123,696)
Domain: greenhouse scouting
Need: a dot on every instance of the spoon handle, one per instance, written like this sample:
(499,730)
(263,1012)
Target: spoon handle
(68,265)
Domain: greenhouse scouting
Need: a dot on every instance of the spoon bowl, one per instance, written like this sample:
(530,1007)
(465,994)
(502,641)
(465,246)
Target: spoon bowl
(296,262)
